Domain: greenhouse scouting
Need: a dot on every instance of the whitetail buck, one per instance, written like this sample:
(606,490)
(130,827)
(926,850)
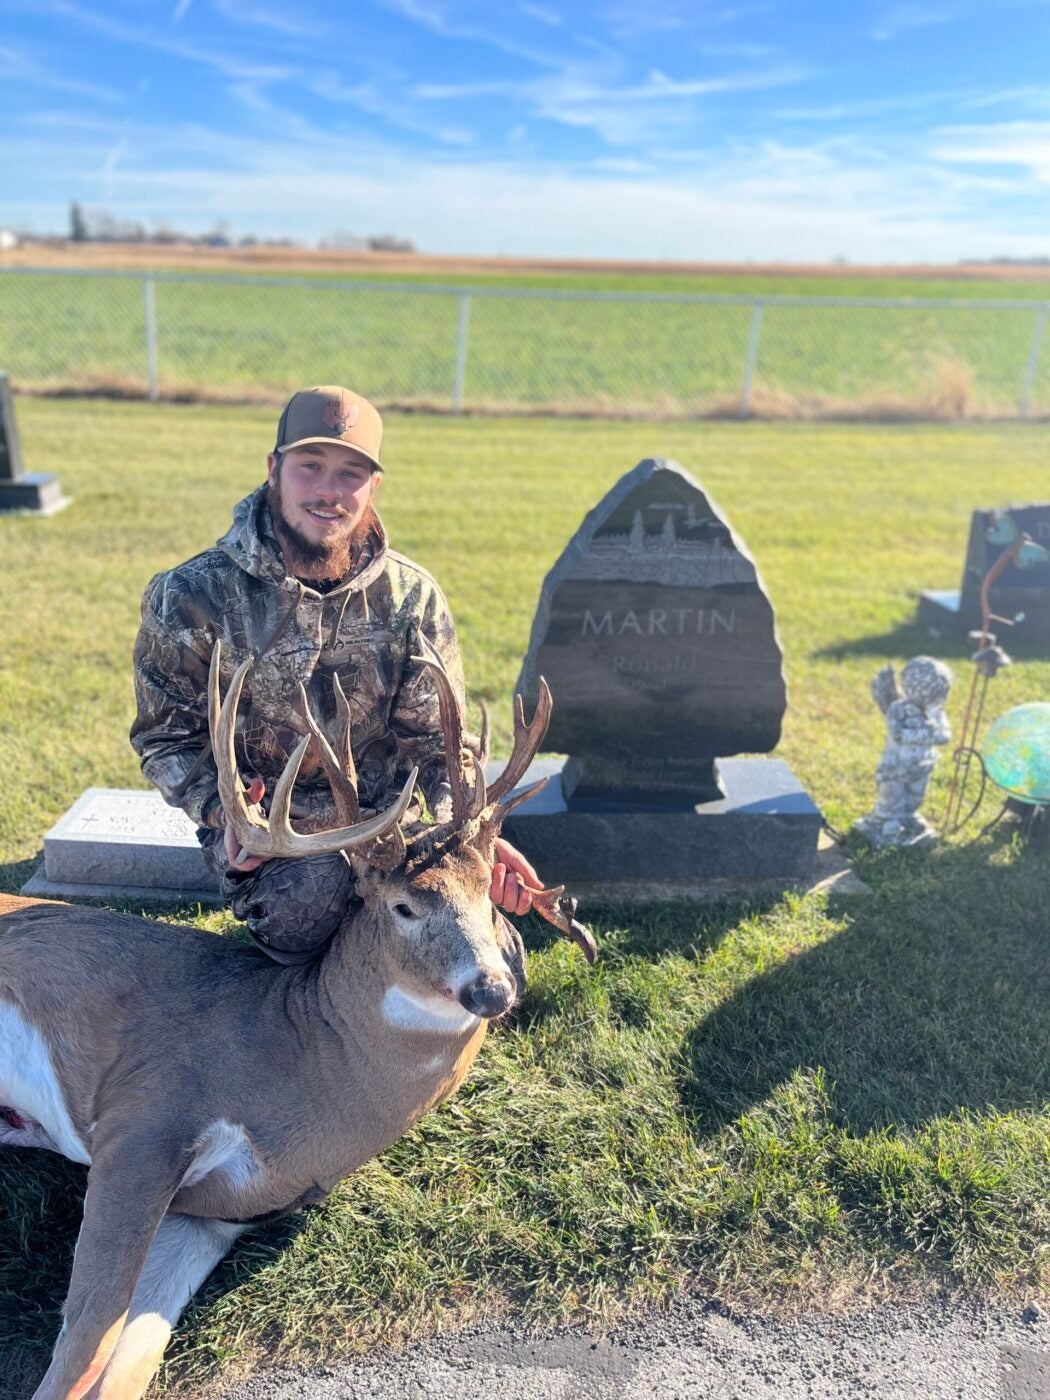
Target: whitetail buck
(209,1088)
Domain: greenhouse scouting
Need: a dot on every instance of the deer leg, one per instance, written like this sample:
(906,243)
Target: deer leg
(184,1251)
(130,1186)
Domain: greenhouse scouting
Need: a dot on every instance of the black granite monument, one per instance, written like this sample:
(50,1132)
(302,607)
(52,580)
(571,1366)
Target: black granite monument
(657,639)
(37,493)
(955,612)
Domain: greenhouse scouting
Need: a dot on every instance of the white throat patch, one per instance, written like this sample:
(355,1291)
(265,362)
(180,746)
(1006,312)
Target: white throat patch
(412,1011)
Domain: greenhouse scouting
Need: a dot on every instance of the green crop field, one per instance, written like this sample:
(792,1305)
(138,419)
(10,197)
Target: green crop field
(793,1103)
(248,338)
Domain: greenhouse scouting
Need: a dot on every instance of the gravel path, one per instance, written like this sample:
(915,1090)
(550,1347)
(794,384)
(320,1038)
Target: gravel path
(931,1352)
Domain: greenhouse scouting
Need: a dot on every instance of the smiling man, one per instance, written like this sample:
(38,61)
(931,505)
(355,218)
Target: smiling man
(305,582)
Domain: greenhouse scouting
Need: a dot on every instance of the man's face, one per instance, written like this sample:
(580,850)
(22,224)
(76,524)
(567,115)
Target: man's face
(319,495)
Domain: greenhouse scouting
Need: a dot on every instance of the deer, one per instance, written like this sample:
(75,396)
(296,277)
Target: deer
(208,1089)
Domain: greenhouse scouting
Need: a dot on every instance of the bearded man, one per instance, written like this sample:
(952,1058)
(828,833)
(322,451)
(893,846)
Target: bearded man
(305,583)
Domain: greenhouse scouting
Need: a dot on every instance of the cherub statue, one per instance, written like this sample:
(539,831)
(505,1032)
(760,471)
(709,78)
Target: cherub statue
(916,726)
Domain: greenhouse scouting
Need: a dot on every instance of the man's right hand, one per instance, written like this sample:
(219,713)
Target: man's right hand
(256,789)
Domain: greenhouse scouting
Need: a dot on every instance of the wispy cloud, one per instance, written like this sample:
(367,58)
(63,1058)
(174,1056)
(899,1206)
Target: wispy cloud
(900,19)
(292,24)
(17,66)
(1023,145)
(178,14)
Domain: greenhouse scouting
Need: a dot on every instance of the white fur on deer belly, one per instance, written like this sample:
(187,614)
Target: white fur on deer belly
(29,1085)
(409,1011)
(223,1147)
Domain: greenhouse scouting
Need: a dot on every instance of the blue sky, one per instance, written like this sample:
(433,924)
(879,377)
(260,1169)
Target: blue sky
(800,131)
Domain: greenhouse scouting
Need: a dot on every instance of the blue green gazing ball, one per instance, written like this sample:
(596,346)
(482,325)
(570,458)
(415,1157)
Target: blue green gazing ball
(1016,752)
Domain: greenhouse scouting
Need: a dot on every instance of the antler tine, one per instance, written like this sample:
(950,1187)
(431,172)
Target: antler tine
(483,751)
(527,739)
(340,768)
(451,729)
(249,826)
(276,837)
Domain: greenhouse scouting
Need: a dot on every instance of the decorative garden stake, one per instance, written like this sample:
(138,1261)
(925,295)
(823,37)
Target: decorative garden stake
(988,659)
(916,726)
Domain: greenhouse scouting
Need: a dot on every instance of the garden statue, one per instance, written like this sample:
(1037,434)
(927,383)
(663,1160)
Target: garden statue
(915,726)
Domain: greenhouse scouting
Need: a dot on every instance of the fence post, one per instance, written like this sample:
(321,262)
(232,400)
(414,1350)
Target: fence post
(1033,360)
(752,356)
(462,329)
(150,300)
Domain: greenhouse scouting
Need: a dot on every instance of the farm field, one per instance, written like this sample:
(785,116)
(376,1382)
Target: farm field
(631,347)
(791,1104)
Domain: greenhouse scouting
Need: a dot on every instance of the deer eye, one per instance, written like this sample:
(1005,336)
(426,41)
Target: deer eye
(405,911)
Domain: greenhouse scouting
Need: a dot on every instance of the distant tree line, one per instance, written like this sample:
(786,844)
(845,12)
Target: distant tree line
(99,226)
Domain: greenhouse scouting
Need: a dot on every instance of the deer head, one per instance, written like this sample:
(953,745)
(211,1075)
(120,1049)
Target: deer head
(425,887)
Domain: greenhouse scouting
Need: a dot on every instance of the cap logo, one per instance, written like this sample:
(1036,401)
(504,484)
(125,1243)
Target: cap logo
(339,415)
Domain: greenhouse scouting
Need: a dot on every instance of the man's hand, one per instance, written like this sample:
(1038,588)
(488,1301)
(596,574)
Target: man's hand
(256,788)
(514,881)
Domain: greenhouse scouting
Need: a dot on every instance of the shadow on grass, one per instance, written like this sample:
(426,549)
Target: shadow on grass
(909,639)
(41,1201)
(934,998)
(13,875)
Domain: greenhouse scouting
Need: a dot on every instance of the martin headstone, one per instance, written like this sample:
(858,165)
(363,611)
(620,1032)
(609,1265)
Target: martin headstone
(657,638)
(35,493)
(1022,595)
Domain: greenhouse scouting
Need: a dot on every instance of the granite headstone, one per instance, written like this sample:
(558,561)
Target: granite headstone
(657,638)
(658,641)
(35,493)
(1016,591)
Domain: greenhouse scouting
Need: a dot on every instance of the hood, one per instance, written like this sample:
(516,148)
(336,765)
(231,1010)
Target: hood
(252,545)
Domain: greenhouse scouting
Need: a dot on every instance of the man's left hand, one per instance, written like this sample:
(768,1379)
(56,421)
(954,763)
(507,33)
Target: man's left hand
(514,881)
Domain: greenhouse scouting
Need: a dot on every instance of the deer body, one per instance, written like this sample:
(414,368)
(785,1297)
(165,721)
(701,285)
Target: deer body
(312,1069)
(206,1087)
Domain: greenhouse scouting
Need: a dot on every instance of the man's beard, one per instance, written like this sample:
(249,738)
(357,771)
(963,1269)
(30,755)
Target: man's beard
(326,559)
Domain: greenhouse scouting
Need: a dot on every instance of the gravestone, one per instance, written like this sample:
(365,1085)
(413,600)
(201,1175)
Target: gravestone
(955,612)
(36,493)
(658,641)
(120,843)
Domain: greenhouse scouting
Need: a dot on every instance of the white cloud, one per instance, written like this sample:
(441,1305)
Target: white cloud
(900,19)
(760,201)
(17,66)
(1023,144)
(292,24)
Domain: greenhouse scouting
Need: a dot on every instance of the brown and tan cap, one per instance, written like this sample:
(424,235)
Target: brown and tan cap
(329,413)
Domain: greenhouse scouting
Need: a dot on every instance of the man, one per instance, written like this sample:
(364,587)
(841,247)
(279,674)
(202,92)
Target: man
(305,582)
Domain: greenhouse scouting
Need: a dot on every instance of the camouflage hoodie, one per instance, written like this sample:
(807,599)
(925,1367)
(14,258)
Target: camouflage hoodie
(365,630)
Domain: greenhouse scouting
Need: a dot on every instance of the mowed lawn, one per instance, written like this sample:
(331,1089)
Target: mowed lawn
(234,336)
(788,1104)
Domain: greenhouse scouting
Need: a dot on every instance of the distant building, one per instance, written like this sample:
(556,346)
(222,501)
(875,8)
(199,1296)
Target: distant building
(8,240)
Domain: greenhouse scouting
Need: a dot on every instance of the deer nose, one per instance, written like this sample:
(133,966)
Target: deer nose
(488,996)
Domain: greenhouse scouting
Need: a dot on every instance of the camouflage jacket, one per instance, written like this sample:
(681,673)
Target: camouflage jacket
(365,631)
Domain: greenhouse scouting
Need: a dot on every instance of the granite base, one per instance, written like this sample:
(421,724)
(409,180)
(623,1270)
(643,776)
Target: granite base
(766,827)
(36,493)
(943,613)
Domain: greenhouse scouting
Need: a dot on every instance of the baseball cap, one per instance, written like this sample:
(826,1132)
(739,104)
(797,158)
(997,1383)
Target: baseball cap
(330,413)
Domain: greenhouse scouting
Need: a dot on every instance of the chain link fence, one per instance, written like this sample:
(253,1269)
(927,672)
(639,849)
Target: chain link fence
(512,350)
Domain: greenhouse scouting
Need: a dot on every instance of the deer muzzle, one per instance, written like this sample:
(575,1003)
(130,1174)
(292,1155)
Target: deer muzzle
(489,996)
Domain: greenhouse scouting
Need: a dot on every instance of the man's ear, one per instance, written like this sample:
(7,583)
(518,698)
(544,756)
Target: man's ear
(377,478)
(273,466)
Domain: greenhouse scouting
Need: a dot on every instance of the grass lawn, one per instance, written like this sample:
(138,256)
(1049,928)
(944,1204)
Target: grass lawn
(235,337)
(789,1104)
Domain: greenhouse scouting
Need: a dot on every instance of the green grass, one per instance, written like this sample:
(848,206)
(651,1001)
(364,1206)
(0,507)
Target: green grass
(231,337)
(787,1104)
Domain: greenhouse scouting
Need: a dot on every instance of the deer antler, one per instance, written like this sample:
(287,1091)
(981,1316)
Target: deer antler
(275,837)
(467,801)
